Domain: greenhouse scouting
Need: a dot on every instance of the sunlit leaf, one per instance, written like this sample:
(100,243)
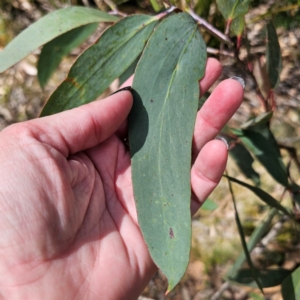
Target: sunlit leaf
(48,28)
(161,124)
(209,205)
(237,26)
(261,119)
(244,161)
(290,288)
(265,152)
(273,55)
(54,51)
(103,62)
(231,9)
(265,197)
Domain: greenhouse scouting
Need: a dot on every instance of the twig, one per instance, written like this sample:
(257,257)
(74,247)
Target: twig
(218,52)
(114,10)
(271,235)
(208,27)
(166,12)
(86,3)
(221,290)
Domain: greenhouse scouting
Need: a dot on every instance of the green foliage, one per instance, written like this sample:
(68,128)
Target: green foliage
(265,152)
(244,161)
(48,28)
(168,55)
(231,9)
(273,55)
(166,89)
(54,51)
(291,286)
(103,62)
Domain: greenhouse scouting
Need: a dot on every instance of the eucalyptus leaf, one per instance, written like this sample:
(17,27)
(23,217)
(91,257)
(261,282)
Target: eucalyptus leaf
(54,51)
(209,205)
(129,71)
(48,28)
(273,55)
(264,129)
(231,9)
(103,62)
(261,119)
(255,237)
(265,197)
(253,271)
(264,151)
(237,26)
(161,124)
(267,278)
(290,288)
(244,161)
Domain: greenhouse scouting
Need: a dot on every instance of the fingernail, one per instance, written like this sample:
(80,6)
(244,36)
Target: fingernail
(240,80)
(221,138)
(126,88)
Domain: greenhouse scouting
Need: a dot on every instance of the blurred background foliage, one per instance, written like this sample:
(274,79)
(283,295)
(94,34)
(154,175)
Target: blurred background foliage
(237,33)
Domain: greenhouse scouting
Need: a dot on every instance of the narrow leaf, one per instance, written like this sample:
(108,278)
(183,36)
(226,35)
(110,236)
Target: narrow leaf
(290,288)
(267,278)
(264,151)
(103,62)
(264,129)
(48,28)
(265,197)
(255,237)
(54,51)
(231,9)
(244,161)
(161,124)
(243,240)
(274,64)
(261,119)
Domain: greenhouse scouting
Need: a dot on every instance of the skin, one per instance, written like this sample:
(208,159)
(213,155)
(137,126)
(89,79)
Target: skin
(68,223)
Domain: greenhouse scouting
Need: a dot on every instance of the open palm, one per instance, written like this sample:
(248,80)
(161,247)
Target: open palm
(68,223)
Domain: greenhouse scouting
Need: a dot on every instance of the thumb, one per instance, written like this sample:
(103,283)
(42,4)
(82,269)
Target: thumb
(84,127)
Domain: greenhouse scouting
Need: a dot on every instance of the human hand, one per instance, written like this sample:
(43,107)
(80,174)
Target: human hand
(68,223)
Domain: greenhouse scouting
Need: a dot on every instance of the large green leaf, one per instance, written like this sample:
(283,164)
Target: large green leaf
(231,9)
(161,124)
(48,28)
(244,161)
(103,62)
(54,51)
(274,64)
(290,288)
(265,197)
(265,153)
